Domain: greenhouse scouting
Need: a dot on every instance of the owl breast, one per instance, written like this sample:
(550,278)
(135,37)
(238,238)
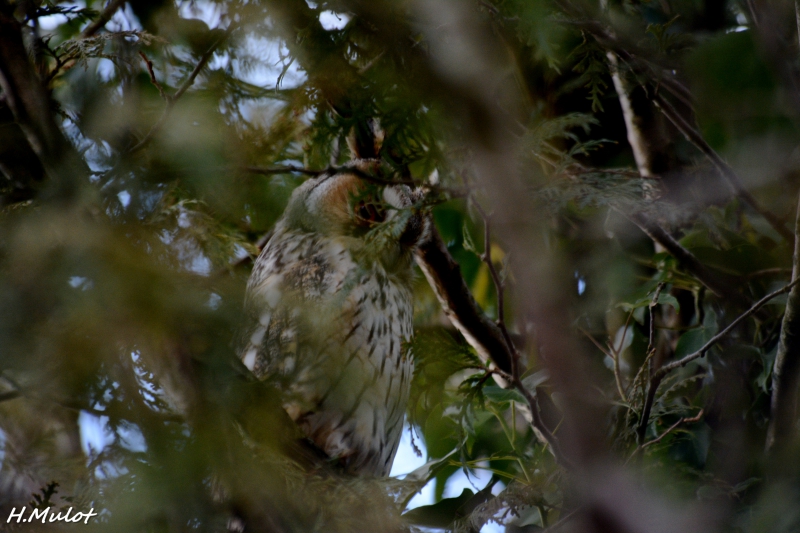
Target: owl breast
(334,335)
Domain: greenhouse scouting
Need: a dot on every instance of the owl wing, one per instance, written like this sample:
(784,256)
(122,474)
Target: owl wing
(289,310)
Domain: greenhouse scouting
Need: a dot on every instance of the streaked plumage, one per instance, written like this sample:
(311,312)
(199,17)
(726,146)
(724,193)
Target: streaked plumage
(331,314)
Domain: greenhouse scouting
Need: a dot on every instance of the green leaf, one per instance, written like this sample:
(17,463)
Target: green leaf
(502,397)
(534,380)
(441,514)
(467,242)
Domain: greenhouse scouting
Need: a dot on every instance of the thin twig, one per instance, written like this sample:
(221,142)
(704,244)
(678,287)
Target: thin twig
(664,370)
(103,19)
(153,79)
(694,137)
(599,346)
(563,520)
(500,288)
(530,397)
(641,431)
(653,304)
(204,59)
(684,420)
(658,376)
(616,351)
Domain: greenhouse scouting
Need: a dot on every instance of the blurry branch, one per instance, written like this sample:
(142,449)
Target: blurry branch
(613,353)
(694,137)
(103,18)
(269,171)
(673,427)
(564,519)
(450,192)
(593,23)
(10,395)
(204,59)
(658,376)
(616,352)
(715,283)
(650,362)
(664,370)
(153,79)
(786,372)
(516,382)
(31,107)
(642,152)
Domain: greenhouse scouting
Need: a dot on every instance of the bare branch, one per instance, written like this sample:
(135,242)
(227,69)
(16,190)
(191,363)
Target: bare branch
(653,304)
(694,137)
(673,427)
(30,103)
(684,420)
(659,375)
(715,282)
(500,289)
(616,353)
(269,171)
(641,431)
(204,59)
(444,276)
(103,19)
(786,372)
(664,370)
(516,382)
(153,79)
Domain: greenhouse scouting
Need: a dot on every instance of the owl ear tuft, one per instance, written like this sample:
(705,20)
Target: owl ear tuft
(366,139)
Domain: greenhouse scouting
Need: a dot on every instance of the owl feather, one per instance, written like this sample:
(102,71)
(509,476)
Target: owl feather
(330,313)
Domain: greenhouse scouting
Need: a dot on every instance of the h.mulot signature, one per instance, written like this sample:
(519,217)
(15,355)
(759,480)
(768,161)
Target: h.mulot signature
(49,515)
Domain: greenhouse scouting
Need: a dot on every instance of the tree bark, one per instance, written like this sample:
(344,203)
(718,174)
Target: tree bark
(786,372)
(32,109)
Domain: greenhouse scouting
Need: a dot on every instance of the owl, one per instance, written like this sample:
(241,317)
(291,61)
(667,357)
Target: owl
(331,313)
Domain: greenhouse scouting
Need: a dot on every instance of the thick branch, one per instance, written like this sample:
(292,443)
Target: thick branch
(786,373)
(32,109)
(444,275)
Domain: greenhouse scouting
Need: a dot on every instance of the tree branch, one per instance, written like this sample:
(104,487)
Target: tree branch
(103,19)
(664,370)
(516,381)
(444,276)
(204,59)
(659,375)
(694,137)
(31,107)
(716,283)
(641,431)
(786,372)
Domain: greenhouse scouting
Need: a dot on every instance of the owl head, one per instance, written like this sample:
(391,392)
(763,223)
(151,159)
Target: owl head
(374,219)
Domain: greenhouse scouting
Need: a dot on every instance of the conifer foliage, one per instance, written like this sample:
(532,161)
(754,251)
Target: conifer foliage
(607,315)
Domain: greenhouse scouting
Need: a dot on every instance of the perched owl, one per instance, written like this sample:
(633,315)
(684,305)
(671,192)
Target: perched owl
(331,313)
